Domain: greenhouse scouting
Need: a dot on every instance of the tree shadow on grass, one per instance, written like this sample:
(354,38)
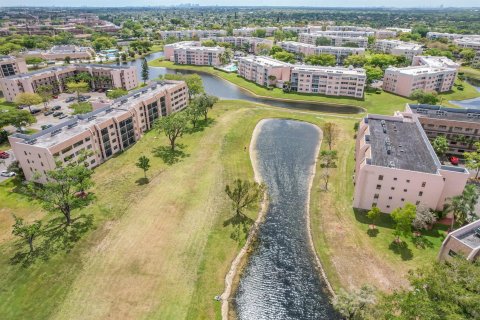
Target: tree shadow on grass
(384,220)
(402,249)
(56,236)
(170,156)
(142,181)
(372,232)
(422,242)
(241,226)
(201,125)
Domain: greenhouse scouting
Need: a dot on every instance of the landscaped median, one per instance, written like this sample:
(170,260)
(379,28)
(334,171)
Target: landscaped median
(381,103)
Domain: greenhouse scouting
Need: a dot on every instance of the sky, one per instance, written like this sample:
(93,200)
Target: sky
(314,3)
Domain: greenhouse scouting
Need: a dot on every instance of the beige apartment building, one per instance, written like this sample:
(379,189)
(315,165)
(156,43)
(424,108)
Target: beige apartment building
(61,52)
(336,41)
(103,132)
(306,49)
(10,66)
(435,62)
(248,32)
(461,127)
(192,52)
(403,81)
(296,29)
(399,48)
(190,34)
(243,42)
(440,35)
(112,77)
(349,28)
(385,34)
(259,68)
(331,81)
(468,43)
(464,242)
(395,164)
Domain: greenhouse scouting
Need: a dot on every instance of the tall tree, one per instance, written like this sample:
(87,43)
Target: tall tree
(403,218)
(173,126)
(462,206)
(440,145)
(373,215)
(205,104)
(16,118)
(353,305)
(77,87)
(145,70)
(144,164)
(330,133)
(244,194)
(28,99)
(322,59)
(472,159)
(28,232)
(46,93)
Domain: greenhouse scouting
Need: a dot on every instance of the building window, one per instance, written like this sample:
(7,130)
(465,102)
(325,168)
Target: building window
(452,253)
(420,193)
(417,203)
(374,204)
(404,190)
(390,198)
(403,199)
(424,184)
(388,206)
(394,179)
(376,196)
(392,188)
(408,181)
(380,177)
(379,186)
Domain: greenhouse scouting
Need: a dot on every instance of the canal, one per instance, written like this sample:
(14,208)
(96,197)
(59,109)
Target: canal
(281,279)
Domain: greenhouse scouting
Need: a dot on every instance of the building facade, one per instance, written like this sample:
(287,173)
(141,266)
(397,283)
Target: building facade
(111,77)
(248,32)
(336,41)
(260,70)
(306,49)
(396,164)
(61,52)
(10,66)
(192,52)
(468,43)
(399,48)
(191,34)
(102,133)
(464,242)
(250,43)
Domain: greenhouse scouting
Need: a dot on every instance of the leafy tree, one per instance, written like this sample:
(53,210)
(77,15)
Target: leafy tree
(382,60)
(103,43)
(328,158)
(462,206)
(46,93)
(373,73)
(322,59)
(15,167)
(262,49)
(423,97)
(420,29)
(353,305)
(468,55)
(77,87)
(16,118)
(28,99)
(279,35)
(65,190)
(440,145)
(205,104)
(145,70)
(116,93)
(173,126)
(374,214)
(27,232)
(81,107)
(284,56)
(472,159)
(244,194)
(403,218)
(275,49)
(67,60)
(35,61)
(439,53)
(259,33)
(144,164)
(194,111)
(330,133)
(323,41)
(355,60)
(424,218)
(209,43)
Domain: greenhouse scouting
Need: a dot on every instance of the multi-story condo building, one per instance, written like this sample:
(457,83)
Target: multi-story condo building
(336,41)
(461,127)
(348,28)
(399,48)
(468,43)
(464,241)
(102,133)
(251,43)
(476,60)
(362,31)
(403,81)
(385,34)
(10,66)
(346,33)
(248,32)
(435,62)
(309,49)
(439,35)
(190,34)
(296,29)
(191,52)
(396,164)
(61,52)
(264,71)
(398,30)
(103,77)
(331,81)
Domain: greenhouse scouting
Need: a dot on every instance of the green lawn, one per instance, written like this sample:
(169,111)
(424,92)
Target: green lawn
(383,103)
(471,72)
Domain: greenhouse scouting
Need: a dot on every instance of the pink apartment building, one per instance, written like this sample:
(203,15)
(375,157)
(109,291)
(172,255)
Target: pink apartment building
(336,40)
(464,241)
(191,52)
(103,132)
(243,42)
(331,81)
(118,77)
(396,164)
(403,81)
(259,68)
(10,66)
(190,34)
(469,43)
(309,49)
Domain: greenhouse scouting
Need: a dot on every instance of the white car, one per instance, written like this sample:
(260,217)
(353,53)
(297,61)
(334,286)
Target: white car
(5,173)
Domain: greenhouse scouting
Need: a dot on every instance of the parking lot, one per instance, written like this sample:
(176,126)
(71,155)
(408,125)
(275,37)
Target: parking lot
(4,163)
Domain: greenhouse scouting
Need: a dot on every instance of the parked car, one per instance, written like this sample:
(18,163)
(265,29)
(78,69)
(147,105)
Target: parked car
(57,114)
(6,173)
(454,160)
(57,108)
(35,111)
(47,113)
(70,99)
(63,116)
(4,155)
(46,126)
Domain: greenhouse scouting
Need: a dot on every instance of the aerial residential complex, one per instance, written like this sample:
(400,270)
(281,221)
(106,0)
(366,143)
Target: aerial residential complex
(61,52)
(248,32)
(251,43)
(440,35)
(10,65)
(335,81)
(309,49)
(464,241)
(399,48)
(468,43)
(336,41)
(461,127)
(190,34)
(103,132)
(396,164)
(107,77)
(192,52)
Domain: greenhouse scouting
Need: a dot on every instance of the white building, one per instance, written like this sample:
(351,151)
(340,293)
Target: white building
(336,41)
(468,43)
(399,48)
(191,52)
(190,34)
(309,49)
(248,32)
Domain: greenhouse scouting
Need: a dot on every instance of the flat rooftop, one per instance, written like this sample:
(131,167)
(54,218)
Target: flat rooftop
(409,147)
(439,112)
(417,70)
(467,235)
(438,62)
(80,123)
(308,45)
(267,61)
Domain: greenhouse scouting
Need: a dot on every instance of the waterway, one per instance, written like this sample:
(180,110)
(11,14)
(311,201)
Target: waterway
(281,279)
(226,90)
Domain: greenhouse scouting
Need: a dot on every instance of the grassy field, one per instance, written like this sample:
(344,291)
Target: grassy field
(383,103)
(471,72)
(162,249)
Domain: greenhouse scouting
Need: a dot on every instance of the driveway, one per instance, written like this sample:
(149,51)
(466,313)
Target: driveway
(4,163)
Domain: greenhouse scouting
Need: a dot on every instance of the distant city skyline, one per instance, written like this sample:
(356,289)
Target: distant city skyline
(307,3)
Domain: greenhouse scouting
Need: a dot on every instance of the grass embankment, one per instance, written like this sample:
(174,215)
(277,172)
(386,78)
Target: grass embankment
(383,103)
(471,72)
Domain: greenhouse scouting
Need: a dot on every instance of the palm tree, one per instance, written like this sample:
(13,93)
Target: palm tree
(463,205)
